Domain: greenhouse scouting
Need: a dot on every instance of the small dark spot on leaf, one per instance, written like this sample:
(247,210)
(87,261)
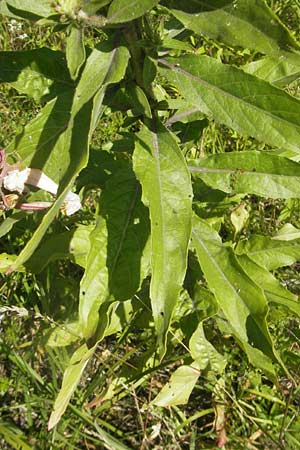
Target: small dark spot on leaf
(83,292)
(162,314)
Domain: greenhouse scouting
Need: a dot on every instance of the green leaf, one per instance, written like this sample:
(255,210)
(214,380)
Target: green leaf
(274,291)
(105,65)
(5,11)
(239,217)
(6,261)
(259,173)
(247,23)
(76,137)
(64,334)
(249,105)
(204,353)
(36,73)
(71,244)
(149,70)
(139,100)
(167,191)
(42,8)
(69,145)
(75,51)
(8,223)
(71,378)
(42,144)
(178,389)
(270,253)
(241,300)
(118,260)
(126,10)
(280,70)
(14,436)
(287,233)
(92,6)
(110,442)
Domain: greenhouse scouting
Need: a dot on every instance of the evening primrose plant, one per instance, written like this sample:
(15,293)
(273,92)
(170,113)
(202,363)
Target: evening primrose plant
(157,237)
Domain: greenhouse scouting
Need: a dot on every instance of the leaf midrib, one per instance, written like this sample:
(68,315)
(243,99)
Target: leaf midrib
(226,280)
(213,87)
(238,171)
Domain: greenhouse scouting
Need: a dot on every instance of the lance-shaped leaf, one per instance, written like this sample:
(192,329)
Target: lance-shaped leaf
(106,65)
(270,253)
(36,73)
(274,291)
(166,183)
(280,70)
(254,172)
(241,101)
(242,301)
(41,145)
(75,51)
(76,137)
(69,149)
(126,10)
(71,378)
(118,260)
(247,23)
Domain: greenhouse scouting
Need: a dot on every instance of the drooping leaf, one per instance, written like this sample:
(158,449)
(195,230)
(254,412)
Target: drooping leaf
(167,191)
(36,73)
(241,300)
(254,172)
(119,255)
(178,389)
(71,378)
(76,137)
(70,147)
(241,101)
(125,10)
(280,70)
(274,291)
(75,51)
(248,23)
(270,253)
(204,353)
(40,144)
